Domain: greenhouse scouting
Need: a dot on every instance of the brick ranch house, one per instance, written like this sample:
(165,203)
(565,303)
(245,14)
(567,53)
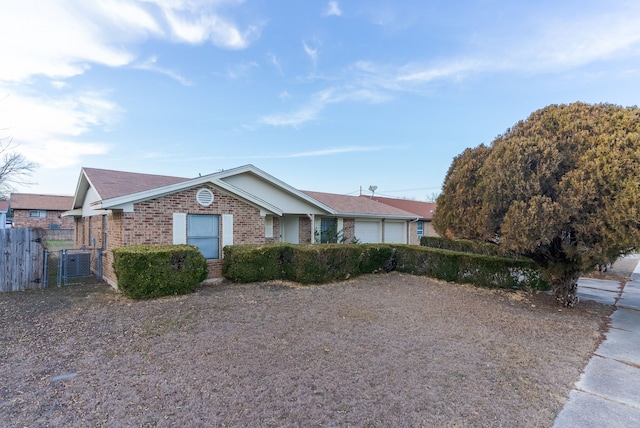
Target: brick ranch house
(43,211)
(244,205)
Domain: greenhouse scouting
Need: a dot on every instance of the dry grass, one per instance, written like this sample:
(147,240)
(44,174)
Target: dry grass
(380,350)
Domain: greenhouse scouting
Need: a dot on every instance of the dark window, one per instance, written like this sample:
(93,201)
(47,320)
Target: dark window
(328,230)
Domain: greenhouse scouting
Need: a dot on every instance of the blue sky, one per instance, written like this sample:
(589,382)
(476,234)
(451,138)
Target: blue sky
(325,95)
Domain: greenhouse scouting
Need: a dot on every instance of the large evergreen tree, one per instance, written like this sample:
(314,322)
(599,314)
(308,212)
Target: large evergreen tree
(562,187)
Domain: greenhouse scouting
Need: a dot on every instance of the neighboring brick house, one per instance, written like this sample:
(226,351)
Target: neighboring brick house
(424,210)
(244,205)
(43,211)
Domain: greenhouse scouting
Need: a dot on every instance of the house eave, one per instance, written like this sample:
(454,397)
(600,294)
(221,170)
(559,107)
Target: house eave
(375,216)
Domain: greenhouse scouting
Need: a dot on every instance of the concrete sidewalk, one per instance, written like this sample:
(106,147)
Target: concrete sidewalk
(608,392)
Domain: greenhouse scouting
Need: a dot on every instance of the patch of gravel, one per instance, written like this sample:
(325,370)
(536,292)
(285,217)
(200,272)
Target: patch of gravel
(378,350)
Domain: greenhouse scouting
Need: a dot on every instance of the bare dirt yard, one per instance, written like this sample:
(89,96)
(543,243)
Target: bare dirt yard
(387,350)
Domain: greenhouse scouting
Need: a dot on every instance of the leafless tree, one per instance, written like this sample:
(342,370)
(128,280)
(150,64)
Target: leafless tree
(14,168)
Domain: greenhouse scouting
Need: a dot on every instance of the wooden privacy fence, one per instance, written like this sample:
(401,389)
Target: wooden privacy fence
(21,259)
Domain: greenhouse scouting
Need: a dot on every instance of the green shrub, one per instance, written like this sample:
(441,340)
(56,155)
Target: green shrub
(313,264)
(253,263)
(481,270)
(309,264)
(306,264)
(146,271)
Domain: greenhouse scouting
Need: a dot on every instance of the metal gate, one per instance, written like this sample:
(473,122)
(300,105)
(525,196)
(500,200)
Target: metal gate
(73,266)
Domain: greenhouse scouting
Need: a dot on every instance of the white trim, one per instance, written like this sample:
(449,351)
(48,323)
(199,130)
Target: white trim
(227,229)
(179,228)
(215,180)
(268,227)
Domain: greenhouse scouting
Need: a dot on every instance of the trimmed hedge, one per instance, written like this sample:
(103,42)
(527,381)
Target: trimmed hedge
(147,271)
(308,264)
(477,269)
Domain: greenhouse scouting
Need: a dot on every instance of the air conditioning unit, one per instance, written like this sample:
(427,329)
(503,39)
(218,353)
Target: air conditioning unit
(77,264)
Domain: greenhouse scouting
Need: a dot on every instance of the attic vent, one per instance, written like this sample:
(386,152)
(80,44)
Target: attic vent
(204,197)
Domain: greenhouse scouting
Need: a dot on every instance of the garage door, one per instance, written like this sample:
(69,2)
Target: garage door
(368,232)
(395,232)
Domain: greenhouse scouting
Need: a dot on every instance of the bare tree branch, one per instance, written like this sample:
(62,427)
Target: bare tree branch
(14,168)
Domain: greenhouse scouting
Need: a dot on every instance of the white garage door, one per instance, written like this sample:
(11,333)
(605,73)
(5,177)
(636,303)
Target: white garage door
(368,232)
(395,231)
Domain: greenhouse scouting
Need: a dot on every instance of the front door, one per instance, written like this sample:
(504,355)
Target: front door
(291,229)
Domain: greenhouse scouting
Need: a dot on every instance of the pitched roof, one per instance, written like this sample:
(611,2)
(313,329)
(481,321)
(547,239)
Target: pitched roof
(423,209)
(110,184)
(345,204)
(4,206)
(117,189)
(29,201)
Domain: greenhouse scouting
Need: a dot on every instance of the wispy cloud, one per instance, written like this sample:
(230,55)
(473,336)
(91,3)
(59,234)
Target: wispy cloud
(333,9)
(151,64)
(294,118)
(452,69)
(51,140)
(326,152)
(312,53)
(584,40)
(305,154)
(318,102)
(241,70)
(276,63)
(66,38)
(208,27)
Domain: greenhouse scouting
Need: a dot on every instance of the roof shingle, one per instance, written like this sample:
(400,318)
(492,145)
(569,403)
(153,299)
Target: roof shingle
(111,184)
(30,201)
(345,204)
(423,209)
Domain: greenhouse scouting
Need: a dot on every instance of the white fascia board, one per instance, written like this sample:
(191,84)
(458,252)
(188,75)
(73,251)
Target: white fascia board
(81,190)
(127,207)
(121,201)
(72,213)
(279,183)
(126,202)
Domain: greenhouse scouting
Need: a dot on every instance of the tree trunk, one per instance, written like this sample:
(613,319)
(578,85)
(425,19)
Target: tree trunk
(565,288)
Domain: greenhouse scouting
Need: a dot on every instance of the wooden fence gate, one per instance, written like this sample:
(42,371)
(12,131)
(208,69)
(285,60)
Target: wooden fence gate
(21,259)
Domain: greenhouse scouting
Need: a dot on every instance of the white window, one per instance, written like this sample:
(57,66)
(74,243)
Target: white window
(268,227)
(38,213)
(420,229)
(203,231)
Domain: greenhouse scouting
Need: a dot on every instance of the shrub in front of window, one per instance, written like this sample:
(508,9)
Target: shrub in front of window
(147,271)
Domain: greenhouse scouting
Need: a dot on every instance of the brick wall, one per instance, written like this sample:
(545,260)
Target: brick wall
(21,219)
(152,223)
(348,229)
(305,230)
(413,233)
